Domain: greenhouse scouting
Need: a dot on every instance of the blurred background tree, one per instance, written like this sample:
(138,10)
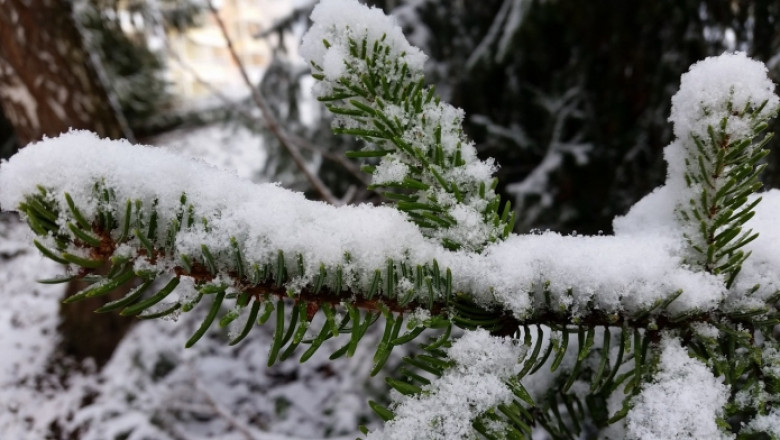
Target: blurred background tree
(77,65)
(124,37)
(572,99)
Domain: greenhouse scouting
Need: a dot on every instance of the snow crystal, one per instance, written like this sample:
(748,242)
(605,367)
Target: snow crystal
(447,407)
(683,401)
(391,170)
(706,330)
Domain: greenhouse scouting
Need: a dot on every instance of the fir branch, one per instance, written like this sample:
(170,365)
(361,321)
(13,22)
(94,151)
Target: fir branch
(425,162)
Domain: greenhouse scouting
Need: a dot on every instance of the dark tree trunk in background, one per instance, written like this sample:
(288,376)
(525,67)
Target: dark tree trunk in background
(48,85)
(47,82)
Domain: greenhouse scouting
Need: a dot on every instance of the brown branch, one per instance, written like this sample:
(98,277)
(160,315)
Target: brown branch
(269,118)
(505,323)
(201,274)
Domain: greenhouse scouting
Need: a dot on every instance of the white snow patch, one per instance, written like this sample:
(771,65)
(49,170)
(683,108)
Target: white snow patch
(683,401)
(338,20)
(709,85)
(447,407)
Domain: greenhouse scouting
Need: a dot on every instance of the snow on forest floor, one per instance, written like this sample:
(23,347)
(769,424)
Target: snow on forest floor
(154,388)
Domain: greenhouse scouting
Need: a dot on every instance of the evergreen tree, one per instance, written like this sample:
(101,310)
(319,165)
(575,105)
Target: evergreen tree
(674,316)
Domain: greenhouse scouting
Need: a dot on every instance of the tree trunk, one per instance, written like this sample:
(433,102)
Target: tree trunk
(48,85)
(47,82)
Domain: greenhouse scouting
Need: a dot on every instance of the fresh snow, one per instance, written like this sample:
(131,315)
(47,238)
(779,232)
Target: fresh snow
(708,87)
(477,383)
(682,402)
(338,20)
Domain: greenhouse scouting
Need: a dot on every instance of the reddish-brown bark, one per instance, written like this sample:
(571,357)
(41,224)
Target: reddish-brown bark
(48,83)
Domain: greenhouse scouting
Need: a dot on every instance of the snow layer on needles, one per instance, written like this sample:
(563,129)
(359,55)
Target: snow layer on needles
(730,87)
(708,87)
(268,218)
(608,273)
(330,20)
(629,271)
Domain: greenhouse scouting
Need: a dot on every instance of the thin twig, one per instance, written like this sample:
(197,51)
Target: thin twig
(269,118)
(348,165)
(222,412)
(345,163)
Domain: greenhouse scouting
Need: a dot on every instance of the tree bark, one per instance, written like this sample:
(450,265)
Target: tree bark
(48,84)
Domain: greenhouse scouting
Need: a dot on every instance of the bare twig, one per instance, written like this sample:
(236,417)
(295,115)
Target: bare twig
(222,412)
(348,165)
(269,118)
(345,163)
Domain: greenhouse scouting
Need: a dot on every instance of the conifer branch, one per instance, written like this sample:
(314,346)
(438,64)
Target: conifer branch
(614,338)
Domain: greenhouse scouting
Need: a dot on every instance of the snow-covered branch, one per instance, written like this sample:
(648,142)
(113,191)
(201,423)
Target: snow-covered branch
(571,333)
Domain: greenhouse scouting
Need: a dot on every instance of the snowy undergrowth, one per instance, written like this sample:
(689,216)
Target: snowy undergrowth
(155,390)
(31,393)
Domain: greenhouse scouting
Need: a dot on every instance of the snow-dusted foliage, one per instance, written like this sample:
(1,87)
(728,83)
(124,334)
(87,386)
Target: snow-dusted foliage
(373,78)
(682,301)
